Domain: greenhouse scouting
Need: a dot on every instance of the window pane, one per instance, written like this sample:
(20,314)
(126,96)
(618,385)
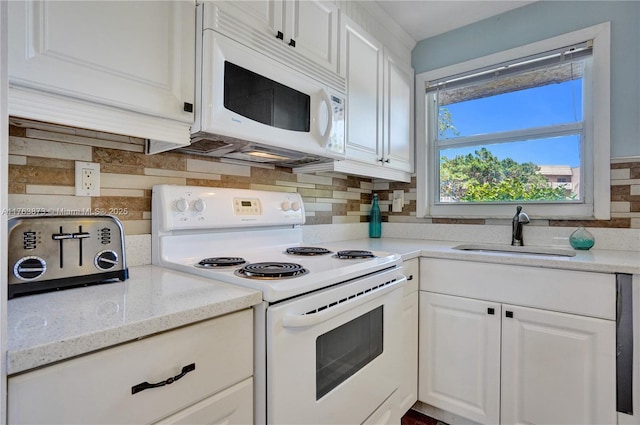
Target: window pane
(538,98)
(531,170)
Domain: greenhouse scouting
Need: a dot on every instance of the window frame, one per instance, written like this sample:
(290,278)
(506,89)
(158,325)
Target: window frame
(595,147)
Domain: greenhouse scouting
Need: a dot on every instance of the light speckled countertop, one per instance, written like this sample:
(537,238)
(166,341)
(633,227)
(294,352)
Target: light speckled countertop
(46,328)
(594,260)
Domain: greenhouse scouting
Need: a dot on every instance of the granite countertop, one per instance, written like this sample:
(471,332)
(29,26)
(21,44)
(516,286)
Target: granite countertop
(594,260)
(45,328)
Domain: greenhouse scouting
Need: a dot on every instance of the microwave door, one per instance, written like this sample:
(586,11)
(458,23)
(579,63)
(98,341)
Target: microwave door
(251,97)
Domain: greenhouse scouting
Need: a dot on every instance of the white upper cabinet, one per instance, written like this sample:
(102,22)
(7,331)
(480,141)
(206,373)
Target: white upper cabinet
(363,68)
(379,106)
(312,26)
(136,56)
(398,114)
(302,33)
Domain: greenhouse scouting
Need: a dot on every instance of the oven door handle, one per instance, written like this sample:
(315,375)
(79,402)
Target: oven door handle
(336,308)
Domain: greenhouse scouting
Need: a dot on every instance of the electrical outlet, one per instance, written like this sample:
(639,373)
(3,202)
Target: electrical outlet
(87,179)
(398,201)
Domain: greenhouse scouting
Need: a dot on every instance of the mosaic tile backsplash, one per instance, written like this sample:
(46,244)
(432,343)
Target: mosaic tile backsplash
(42,176)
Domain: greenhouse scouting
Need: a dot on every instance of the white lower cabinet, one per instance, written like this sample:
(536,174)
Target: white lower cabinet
(557,368)
(460,356)
(408,390)
(491,361)
(231,406)
(98,388)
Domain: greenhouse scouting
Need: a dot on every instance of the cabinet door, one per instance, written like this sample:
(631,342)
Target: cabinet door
(398,115)
(313,27)
(459,368)
(408,390)
(557,368)
(363,67)
(261,16)
(134,55)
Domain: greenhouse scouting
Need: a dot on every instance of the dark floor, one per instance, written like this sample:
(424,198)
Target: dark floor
(416,418)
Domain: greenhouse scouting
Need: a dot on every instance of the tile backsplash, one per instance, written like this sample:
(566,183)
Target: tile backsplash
(42,176)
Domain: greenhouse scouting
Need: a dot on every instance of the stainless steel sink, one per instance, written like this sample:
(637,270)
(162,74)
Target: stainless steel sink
(535,250)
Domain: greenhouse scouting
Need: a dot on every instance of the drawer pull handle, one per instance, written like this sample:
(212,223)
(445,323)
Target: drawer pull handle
(410,277)
(145,385)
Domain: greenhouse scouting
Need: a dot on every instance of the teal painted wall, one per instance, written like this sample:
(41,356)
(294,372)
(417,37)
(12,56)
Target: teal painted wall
(545,19)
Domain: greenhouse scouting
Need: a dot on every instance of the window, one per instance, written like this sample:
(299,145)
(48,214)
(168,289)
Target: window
(528,126)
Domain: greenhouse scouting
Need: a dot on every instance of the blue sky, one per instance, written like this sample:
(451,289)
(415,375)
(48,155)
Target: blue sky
(540,106)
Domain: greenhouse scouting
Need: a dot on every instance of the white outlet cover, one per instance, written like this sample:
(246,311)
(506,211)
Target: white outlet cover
(93,182)
(398,201)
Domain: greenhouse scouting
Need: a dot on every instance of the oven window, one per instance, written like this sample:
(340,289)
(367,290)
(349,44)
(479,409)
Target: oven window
(345,350)
(261,99)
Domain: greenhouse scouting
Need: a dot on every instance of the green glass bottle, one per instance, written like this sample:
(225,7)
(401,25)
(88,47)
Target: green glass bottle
(375,219)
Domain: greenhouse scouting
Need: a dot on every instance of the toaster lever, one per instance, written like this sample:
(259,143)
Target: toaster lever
(80,235)
(61,236)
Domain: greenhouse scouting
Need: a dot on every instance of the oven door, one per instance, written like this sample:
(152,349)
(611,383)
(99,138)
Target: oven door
(333,356)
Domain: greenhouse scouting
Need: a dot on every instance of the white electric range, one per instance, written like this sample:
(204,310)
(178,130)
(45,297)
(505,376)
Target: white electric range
(327,341)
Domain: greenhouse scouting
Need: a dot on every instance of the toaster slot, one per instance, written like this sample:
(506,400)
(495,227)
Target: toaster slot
(80,236)
(61,237)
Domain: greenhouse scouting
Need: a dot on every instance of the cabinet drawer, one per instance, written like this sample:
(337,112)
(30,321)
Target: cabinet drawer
(97,388)
(232,406)
(576,292)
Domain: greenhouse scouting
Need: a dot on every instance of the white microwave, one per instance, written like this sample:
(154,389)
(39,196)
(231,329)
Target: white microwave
(254,108)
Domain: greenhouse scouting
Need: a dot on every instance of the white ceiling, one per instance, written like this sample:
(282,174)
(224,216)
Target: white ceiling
(427,18)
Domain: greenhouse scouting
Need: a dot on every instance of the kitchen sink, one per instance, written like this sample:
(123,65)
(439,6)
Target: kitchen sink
(535,250)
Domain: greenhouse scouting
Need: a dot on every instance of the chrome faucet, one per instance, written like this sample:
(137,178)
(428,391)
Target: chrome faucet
(518,220)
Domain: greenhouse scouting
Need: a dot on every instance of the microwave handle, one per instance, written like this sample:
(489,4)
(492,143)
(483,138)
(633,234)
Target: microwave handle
(327,132)
(306,320)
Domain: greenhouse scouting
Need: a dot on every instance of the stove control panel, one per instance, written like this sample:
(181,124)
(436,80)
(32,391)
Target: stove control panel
(195,207)
(247,206)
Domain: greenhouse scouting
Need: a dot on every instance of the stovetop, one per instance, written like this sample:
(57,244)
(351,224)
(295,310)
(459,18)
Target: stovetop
(191,224)
(320,270)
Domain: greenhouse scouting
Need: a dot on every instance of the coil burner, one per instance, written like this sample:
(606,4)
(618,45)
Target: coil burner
(307,250)
(271,271)
(353,254)
(217,262)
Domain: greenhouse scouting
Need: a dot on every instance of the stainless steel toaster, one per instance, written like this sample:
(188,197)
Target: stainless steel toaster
(55,252)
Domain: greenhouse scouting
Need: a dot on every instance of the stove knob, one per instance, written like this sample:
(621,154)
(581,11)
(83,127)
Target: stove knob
(199,205)
(285,206)
(29,268)
(182,205)
(295,206)
(106,260)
